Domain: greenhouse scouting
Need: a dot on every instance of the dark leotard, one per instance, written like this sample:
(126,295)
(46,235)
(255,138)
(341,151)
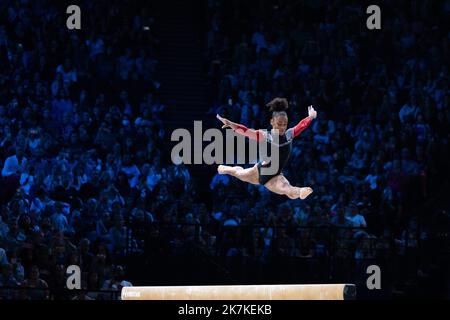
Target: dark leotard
(284,145)
(283,148)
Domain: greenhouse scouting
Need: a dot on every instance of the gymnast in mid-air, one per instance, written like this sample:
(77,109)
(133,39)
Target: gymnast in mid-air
(276,182)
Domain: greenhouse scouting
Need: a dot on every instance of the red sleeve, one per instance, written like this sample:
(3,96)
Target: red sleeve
(302,125)
(257,135)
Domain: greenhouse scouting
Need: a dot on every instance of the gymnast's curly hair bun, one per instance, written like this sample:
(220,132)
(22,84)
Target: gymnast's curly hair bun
(278,104)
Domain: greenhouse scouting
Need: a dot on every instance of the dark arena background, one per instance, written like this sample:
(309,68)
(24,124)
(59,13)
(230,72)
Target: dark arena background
(91,201)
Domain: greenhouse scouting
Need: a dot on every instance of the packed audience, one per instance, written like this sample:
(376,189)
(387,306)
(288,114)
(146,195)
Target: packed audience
(378,152)
(80,138)
(85,180)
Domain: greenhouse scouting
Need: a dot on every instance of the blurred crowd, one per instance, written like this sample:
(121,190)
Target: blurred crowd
(84,180)
(80,140)
(379,148)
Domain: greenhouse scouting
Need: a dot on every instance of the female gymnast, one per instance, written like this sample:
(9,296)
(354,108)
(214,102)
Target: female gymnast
(275,182)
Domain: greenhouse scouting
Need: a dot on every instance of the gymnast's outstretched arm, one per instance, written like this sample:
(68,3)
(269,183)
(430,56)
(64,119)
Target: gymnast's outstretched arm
(253,134)
(304,123)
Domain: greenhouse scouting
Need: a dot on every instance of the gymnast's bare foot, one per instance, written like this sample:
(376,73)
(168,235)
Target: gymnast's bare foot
(221,169)
(304,192)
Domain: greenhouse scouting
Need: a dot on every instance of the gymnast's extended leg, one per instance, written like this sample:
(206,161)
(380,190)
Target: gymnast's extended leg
(247,175)
(281,185)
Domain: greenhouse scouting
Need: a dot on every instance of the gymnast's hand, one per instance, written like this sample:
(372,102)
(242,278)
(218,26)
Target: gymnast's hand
(226,123)
(311,112)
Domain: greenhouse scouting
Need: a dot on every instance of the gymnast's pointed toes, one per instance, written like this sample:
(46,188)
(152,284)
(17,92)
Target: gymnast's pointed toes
(221,169)
(304,192)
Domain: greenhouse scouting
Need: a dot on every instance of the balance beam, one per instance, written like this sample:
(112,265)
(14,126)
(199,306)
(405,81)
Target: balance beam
(244,292)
